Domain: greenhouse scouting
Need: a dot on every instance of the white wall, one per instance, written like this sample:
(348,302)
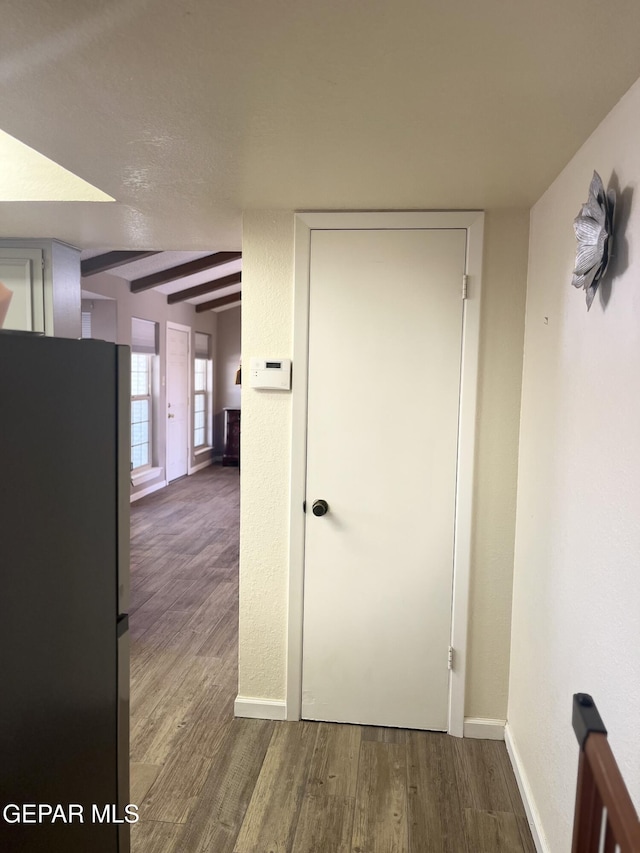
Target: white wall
(576,603)
(267,328)
(227,359)
(151,305)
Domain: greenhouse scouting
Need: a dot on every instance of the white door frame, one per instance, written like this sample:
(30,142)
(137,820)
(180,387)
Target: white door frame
(305,223)
(180,328)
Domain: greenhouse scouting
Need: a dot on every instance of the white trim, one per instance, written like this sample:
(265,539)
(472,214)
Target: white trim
(533,816)
(180,328)
(193,469)
(473,223)
(259,709)
(302,256)
(482,728)
(146,474)
(149,490)
(466,466)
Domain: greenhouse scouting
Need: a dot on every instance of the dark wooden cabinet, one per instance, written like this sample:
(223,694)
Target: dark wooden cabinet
(231,455)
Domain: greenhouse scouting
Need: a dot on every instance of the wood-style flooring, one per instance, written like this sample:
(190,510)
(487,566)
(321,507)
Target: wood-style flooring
(208,783)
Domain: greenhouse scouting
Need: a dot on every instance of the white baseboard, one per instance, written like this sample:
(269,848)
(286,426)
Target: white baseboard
(200,466)
(259,709)
(533,815)
(149,490)
(482,728)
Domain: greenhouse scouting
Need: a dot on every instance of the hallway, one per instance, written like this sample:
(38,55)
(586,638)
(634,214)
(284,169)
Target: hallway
(184,619)
(207,783)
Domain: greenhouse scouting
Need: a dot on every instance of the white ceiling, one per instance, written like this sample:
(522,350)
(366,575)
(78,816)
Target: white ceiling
(189,112)
(27,175)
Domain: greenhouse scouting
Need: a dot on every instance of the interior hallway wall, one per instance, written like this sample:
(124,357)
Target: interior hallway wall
(576,604)
(267,328)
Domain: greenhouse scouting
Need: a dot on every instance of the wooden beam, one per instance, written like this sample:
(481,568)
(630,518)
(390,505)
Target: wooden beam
(201,289)
(219,303)
(182,270)
(110,260)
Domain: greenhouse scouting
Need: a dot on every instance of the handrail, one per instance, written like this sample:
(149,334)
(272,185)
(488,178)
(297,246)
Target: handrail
(600,786)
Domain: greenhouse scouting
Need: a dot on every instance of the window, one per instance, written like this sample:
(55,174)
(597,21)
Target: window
(144,348)
(140,411)
(201,391)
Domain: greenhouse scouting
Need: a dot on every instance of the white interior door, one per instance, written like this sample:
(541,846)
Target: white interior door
(385,338)
(177,401)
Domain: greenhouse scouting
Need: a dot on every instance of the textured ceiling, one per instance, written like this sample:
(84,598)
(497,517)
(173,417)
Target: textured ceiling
(189,112)
(27,175)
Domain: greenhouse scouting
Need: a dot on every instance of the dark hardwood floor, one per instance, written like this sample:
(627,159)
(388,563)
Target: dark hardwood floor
(208,783)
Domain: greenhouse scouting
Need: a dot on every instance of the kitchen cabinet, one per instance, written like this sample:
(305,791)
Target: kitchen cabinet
(43,281)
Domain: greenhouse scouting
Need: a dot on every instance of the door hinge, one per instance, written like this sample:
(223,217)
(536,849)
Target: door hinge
(450,658)
(465,283)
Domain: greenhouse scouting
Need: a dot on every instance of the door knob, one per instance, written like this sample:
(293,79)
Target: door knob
(320,507)
(171,416)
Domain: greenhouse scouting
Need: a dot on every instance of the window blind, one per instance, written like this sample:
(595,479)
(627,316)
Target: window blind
(86,324)
(144,336)
(202,345)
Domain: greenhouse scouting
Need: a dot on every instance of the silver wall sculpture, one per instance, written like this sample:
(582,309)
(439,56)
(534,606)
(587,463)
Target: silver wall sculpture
(594,233)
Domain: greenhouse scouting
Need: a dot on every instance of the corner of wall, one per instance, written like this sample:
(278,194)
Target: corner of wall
(498,410)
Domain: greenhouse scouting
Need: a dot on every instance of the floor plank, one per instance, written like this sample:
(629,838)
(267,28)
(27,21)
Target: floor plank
(155,837)
(271,819)
(175,793)
(480,776)
(494,831)
(325,824)
(155,737)
(380,821)
(334,765)
(436,823)
(142,778)
(225,796)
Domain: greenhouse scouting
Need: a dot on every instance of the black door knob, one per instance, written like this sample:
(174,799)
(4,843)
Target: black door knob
(320,507)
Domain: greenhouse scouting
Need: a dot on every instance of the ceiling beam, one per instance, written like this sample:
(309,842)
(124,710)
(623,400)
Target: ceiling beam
(182,270)
(219,303)
(110,260)
(201,289)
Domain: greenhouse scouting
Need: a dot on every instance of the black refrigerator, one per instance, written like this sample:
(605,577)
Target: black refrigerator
(64,588)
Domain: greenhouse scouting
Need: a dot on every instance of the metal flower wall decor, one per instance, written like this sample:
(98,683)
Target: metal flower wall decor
(594,233)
